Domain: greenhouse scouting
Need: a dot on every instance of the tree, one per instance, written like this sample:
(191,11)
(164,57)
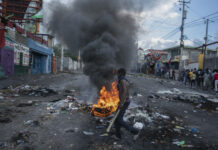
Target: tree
(67,52)
(57,50)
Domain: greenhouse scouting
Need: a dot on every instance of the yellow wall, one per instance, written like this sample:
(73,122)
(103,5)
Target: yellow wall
(200,61)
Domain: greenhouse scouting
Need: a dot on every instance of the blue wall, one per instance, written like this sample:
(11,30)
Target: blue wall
(40,54)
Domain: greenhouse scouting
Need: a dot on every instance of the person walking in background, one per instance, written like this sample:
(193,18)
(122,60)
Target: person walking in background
(168,75)
(186,77)
(212,79)
(190,77)
(173,75)
(216,80)
(182,75)
(193,79)
(206,79)
(199,77)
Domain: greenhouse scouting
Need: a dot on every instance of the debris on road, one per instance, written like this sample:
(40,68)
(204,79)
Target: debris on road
(20,138)
(88,133)
(69,104)
(27,90)
(29,103)
(72,130)
(194,130)
(179,143)
(32,123)
(138,125)
(201,101)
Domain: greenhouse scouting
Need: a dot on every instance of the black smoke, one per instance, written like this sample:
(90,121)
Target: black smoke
(104,31)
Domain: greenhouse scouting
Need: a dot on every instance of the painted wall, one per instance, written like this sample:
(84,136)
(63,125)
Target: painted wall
(21,59)
(68,64)
(7,57)
(41,55)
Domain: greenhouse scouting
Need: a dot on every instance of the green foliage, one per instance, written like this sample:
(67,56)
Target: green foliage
(57,50)
(67,53)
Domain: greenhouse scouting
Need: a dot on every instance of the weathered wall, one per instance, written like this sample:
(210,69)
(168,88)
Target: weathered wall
(211,63)
(68,64)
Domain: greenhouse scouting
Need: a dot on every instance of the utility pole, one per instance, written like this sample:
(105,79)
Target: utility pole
(205,45)
(184,12)
(62,58)
(79,61)
(206,36)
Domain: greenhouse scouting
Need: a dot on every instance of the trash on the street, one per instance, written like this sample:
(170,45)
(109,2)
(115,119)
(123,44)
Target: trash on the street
(69,97)
(16,95)
(100,127)
(88,133)
(20,138)
(138,125)
(139,95)
(199,106)
(162,116)
(32,123)
(72,130)
(3,144)
(28,90)
(63,112)
(28,122)
(178,127)
(188,146)
(194,130)
(179,143)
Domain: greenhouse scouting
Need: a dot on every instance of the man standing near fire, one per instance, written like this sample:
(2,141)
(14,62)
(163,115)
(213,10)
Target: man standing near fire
(123,87)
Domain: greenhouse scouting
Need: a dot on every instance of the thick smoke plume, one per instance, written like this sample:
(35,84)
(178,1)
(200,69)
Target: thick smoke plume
(103,30)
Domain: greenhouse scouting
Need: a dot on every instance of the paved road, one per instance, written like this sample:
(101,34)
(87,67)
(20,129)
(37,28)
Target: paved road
(63,129)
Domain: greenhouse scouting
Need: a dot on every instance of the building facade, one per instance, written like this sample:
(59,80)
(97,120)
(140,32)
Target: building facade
(190,57)
(7,57)
(21,59)
(40,57)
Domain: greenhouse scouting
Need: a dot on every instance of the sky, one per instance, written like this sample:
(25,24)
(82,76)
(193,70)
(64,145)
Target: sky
(155,24)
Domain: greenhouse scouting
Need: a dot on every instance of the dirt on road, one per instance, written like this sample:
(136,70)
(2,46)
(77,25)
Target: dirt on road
(54,112)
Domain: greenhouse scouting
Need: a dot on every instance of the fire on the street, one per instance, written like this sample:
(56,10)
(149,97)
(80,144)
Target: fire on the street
(107,102)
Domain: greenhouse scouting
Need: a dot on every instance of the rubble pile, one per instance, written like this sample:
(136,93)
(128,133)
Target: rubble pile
(113,146)
(201,101)
(161,128)
(68,104)
(27,90)
(20,138)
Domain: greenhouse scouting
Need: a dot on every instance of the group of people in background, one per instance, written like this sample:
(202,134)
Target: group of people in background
(203,79)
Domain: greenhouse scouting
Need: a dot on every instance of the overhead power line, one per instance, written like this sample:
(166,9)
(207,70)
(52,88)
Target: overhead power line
(192,23)
(205,17)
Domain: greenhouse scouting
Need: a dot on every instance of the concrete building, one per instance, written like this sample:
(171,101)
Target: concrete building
(68,64)
(7,57)
(40,57)
(190,57)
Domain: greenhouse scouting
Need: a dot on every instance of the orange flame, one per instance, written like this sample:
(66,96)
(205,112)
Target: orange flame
(107,102)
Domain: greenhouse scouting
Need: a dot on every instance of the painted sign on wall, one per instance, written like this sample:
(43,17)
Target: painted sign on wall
(21,55)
